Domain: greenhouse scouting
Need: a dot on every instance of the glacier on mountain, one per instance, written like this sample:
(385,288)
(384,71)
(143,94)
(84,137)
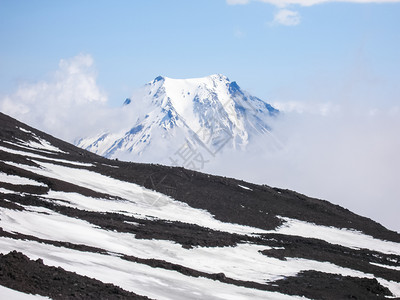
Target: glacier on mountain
(186,118)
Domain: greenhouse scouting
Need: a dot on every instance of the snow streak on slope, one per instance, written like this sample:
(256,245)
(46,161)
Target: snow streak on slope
(13,179)
(130,198)
(141,202)
(142,279)
(209,113)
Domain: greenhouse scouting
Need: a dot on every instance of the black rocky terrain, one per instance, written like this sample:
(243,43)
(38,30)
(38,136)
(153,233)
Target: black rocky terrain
(33,277)
(259,206)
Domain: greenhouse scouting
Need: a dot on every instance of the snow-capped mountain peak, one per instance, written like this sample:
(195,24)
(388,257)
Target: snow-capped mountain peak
(211,112)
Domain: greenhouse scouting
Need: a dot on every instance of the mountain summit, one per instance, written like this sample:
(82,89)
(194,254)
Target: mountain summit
(207,113)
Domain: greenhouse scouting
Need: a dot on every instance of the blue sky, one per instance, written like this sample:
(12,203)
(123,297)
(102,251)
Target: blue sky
(132,42)
(332,68)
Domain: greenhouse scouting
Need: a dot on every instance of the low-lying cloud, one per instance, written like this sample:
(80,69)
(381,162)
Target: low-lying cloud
(344,156)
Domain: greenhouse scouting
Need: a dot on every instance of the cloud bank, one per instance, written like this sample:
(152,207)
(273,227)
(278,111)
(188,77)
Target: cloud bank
(63,104)
(343,155)
(284,3)
(288,17)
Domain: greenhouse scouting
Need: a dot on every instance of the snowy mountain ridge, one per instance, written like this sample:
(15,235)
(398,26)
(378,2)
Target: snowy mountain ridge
(210,112)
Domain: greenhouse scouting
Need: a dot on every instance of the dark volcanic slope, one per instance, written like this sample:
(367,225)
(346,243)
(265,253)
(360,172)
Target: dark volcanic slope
(221,196)
(223,238)
(20,273)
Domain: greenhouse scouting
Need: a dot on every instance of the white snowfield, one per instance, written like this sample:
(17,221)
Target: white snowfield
(182,94)
(242,262)
(155,283)
(10,294)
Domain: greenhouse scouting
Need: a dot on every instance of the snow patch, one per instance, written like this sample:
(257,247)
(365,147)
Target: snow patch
(397,268)
(25,130)
(345,237)
(7,293)
(43,145)
(245,187)
(14,179)
(32,155)
(5,191)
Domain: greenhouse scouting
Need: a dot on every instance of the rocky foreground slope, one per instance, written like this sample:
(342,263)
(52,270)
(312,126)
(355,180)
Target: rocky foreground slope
(77,225)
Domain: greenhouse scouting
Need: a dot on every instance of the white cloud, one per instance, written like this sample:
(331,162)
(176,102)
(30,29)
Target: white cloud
(287,17)
(299,107)
(235,2)
(284,3)
(292,18)
(239,34)
(61,105)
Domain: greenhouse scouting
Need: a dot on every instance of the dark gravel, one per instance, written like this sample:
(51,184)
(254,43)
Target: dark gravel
(20,273)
